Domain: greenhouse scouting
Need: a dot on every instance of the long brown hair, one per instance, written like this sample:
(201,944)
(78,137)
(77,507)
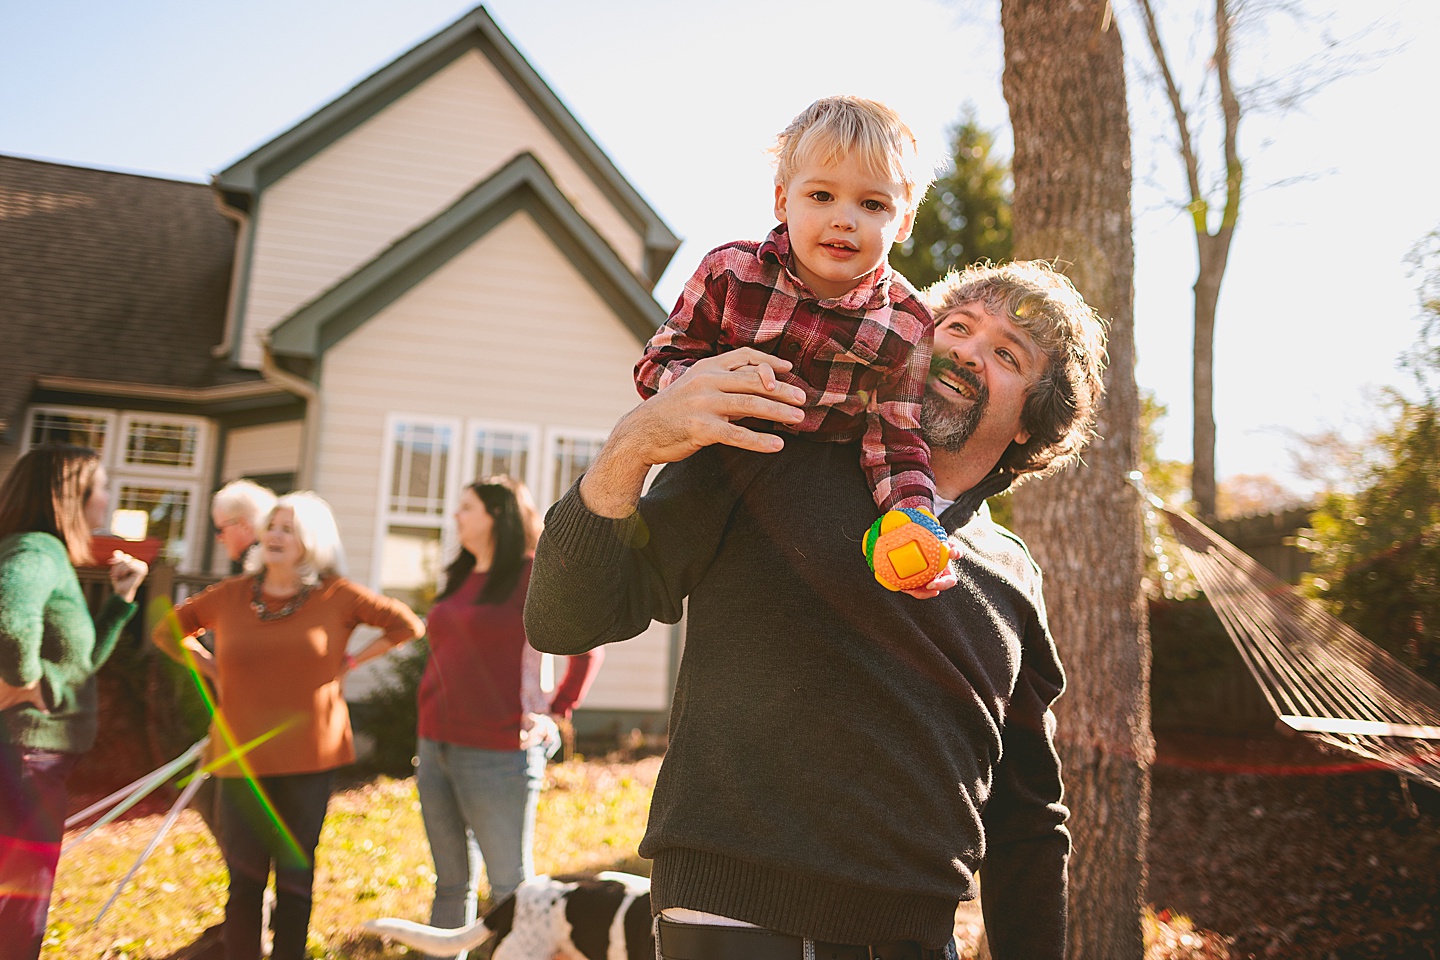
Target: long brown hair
(46,492)
(516,530)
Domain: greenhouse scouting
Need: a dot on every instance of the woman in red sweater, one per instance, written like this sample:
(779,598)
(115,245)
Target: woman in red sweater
(281,632)
(486,726)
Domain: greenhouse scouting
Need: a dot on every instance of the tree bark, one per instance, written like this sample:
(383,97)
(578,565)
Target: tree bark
(1065,84)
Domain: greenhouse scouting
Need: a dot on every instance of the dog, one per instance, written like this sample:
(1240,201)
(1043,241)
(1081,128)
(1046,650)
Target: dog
(602,916)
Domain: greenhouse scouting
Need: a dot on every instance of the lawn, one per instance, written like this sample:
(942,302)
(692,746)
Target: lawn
(374,861)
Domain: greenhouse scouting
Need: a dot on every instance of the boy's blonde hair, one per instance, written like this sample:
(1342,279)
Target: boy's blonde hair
(835,128)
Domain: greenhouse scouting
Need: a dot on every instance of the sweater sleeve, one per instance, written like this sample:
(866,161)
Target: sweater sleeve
(393,618)
(29,575)
(596,580)
(108,626)
(1023,880)
(580,671)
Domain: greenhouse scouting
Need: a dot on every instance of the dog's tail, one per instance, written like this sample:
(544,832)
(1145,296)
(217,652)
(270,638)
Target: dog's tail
(435,941)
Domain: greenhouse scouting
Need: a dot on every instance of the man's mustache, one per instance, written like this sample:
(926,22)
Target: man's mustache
(946,366)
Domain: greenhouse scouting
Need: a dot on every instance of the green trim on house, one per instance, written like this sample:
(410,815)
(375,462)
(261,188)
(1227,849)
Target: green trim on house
(520,185)
(474,31)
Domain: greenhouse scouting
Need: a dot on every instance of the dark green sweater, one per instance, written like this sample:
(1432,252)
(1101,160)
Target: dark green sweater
(46,633)
(842,758)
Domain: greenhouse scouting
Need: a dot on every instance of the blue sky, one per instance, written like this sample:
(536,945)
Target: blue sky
(684,97)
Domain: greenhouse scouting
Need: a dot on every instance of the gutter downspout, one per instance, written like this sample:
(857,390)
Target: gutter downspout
(310,393)
(242,237)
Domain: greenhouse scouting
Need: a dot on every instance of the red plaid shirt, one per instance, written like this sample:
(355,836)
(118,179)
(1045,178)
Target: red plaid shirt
(862,359)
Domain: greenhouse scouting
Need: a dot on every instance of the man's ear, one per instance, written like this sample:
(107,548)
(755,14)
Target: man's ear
(780,202)
(1022,437)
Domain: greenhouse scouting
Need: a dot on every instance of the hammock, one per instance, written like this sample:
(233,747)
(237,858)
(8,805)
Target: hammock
(1322,678)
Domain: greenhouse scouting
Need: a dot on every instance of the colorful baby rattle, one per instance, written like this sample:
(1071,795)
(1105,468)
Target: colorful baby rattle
(906,548)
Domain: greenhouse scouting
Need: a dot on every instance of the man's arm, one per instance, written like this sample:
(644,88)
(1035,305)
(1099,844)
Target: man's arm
(1023,884)
(602,570)
(694,411)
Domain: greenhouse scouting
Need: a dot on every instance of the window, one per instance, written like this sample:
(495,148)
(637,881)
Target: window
(570,454)
(418,494)
(167,509)
(426,468)
(160,444)
(156,464)
(421,454)
(75,426)
(501,449)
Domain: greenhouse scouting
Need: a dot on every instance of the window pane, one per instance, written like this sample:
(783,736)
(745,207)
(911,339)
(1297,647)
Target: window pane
(501,452)
(410,566)
(168,510)
(573,456)
(72,428)
(160,444)
(422,458)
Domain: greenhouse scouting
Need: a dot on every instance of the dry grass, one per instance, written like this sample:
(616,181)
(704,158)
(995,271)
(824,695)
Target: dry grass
(374,861)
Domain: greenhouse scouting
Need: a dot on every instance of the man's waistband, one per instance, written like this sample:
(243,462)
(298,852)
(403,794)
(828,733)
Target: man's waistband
(693,941)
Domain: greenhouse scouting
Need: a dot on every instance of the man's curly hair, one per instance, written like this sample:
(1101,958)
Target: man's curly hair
(1059,411)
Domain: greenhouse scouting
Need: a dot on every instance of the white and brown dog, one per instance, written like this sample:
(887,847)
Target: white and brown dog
(602,916)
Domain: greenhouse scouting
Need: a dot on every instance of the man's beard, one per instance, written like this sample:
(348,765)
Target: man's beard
(944,425)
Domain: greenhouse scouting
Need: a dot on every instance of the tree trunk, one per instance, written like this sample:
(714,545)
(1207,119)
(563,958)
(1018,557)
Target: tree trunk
(1065,84)
(1214,254)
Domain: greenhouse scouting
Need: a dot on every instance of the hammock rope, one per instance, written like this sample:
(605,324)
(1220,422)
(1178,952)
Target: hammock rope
(1322,678)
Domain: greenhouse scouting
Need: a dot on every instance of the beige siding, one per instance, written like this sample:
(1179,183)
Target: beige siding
(409,162)
(476,341)
(254,451)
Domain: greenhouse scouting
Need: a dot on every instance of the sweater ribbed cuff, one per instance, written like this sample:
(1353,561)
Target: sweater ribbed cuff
(588,538)
(796,904)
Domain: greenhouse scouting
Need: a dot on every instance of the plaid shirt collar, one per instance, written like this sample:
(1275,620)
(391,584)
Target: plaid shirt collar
(871,293)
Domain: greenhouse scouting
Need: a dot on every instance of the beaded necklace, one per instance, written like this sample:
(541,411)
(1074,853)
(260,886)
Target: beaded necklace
(263,611)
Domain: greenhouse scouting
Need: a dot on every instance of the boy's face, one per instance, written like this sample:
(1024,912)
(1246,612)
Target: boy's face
(842,222)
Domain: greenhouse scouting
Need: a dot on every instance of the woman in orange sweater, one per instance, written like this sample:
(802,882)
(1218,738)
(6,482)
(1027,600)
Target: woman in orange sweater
(281,631)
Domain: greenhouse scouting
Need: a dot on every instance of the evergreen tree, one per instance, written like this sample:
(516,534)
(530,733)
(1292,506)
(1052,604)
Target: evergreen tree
(965,216)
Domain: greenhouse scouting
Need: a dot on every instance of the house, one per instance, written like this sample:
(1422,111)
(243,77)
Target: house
(437,276)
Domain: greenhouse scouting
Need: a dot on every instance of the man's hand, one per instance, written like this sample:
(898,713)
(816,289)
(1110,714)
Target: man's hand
(696,410)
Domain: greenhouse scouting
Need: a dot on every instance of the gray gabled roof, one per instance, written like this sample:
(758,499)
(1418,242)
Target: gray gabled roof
(250,175)
(521,185)
(109,277)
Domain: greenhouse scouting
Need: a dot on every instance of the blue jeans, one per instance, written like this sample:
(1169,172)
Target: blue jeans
(478,806)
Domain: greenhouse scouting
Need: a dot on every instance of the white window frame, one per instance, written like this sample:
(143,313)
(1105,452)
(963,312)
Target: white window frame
(386,518)
(553,438)
(109,416)
(530,431)
(188,479)
(199,508)
(128,419)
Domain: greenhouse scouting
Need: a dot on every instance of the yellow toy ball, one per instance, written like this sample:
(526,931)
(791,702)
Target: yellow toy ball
(906,548)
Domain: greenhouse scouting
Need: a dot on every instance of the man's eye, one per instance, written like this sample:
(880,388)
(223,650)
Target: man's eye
(1009,358)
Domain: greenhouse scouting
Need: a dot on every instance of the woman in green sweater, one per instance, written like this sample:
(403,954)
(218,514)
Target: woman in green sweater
(50,650)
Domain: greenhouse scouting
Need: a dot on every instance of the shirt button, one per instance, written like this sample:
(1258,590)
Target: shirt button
(790,349)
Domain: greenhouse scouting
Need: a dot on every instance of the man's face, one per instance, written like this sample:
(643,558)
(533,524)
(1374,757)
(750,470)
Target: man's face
(235,534)
(980,374)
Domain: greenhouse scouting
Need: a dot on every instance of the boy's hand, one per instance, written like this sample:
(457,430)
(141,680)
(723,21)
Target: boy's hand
(940,584)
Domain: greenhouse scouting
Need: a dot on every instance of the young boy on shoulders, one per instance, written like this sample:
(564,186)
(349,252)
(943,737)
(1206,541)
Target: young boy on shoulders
(820,293)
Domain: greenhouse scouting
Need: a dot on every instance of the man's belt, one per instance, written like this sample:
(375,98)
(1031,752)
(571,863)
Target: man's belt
(698,941)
